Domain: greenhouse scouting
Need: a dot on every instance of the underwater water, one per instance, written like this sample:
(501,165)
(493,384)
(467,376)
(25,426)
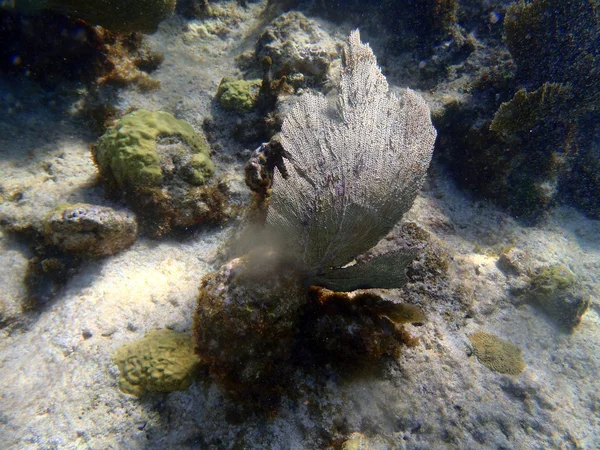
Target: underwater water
(228,225)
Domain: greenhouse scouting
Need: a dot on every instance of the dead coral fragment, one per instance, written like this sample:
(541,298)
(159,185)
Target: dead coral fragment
(163,361)
(497,354)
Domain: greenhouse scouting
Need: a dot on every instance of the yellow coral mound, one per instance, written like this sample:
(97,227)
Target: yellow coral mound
(497,354)
(162,361)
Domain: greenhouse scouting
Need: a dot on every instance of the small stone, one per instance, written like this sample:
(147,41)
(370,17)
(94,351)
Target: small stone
(513,262)
(108,331)
(86,333)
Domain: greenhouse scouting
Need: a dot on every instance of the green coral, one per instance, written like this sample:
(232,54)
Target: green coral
(127,152)
(555,290)
(497,354)
(162,361)
(116,15)
(238,95)
(550,278)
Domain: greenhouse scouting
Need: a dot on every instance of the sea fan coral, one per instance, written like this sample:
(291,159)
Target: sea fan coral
(354,168)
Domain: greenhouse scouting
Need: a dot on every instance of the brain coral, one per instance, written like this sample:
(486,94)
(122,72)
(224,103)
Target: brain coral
(127,151)
(162,361)
(497,354)
(162,168)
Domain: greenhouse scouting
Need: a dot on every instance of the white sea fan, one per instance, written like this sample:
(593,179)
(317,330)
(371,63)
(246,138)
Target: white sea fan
(354,168)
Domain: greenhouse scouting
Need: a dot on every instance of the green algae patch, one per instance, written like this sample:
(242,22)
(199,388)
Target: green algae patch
(162,361)
(127,152)
(238,95)
(497,354)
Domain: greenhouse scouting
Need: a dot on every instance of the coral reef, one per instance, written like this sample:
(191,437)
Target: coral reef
(90,230)
(163,361)
(163,168)
(544,111)
(497,354)
(321,216)
(122,17)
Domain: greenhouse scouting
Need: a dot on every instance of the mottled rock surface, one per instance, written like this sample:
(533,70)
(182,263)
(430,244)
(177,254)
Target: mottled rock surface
(246,321)
(90,230)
